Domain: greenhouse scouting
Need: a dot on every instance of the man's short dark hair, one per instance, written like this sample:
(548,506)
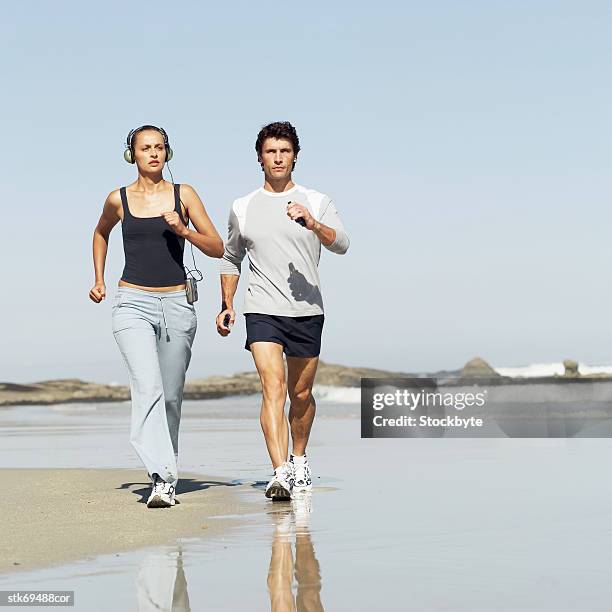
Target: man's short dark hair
(278,129)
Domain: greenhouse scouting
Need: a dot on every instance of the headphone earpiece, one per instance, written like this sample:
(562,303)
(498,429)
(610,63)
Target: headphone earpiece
(128,154)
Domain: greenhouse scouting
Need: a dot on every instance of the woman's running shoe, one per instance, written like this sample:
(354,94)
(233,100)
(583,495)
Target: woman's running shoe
(162,494)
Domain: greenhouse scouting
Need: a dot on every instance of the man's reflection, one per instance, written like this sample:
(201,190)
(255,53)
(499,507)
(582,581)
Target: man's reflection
(293,520)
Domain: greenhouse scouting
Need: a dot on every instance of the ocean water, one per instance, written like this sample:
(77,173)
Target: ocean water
(392,524)
(550,369)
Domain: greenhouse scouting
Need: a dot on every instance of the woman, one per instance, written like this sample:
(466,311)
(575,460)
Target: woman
(153,323)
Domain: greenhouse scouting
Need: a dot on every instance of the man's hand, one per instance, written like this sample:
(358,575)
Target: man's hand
(222,328)
(295,210)
(97,292)
(174,221)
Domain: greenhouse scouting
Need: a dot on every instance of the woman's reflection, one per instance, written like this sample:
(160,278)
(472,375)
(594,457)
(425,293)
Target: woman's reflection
(161,583)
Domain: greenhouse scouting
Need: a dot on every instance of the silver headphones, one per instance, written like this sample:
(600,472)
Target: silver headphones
(128,154)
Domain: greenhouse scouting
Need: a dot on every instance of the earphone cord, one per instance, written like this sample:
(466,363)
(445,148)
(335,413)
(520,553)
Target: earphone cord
(189,272)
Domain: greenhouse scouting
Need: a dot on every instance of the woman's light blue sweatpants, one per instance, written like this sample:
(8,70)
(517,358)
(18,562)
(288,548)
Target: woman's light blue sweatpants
(155,331)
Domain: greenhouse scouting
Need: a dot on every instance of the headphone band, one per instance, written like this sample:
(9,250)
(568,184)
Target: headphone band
(130,137)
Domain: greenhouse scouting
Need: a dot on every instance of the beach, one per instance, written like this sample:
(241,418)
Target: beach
(60,515)
(434,524)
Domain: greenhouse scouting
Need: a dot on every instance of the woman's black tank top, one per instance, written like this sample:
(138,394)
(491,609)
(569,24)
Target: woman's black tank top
(153,252)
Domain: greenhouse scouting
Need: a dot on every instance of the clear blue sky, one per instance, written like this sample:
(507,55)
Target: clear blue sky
(466,145)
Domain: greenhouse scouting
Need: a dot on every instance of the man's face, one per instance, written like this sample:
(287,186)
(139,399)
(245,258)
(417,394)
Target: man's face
(277,158)
(149,150)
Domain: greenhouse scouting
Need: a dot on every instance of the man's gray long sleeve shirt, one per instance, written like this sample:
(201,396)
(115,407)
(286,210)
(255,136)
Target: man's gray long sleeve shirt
(283,255)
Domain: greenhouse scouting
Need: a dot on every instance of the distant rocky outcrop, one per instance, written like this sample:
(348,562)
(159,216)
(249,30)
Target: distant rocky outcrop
(61,391)
(342,376)
(247,383)
(478,368)
(244,383)
(73,390)
(571,368)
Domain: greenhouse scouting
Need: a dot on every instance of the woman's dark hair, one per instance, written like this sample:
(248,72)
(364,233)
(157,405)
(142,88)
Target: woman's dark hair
(278,129)
(131,140)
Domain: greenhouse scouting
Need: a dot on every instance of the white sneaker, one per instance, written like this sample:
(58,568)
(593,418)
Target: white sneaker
(302,509)
(281,485)
(302,475)
(162,494)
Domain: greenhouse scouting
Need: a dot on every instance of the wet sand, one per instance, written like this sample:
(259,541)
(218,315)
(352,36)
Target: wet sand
(433,524)
(52,516)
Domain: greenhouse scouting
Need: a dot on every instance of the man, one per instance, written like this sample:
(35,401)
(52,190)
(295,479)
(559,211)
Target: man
(281,226)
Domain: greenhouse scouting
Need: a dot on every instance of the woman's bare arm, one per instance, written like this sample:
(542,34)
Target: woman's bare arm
(108,219)
(206,238)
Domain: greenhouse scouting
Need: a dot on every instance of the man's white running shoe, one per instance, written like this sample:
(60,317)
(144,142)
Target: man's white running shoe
(301,474)
(162,494)
(281,485)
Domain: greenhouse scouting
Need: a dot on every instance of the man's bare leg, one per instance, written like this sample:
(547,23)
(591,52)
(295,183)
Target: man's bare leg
(300,379)
(268,357)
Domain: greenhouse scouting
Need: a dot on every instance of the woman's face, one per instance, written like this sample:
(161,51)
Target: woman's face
(149,151)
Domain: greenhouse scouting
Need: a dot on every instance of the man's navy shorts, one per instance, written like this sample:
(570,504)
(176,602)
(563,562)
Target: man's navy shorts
(299,336)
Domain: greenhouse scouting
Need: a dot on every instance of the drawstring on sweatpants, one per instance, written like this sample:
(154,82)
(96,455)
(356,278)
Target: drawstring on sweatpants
(161,304)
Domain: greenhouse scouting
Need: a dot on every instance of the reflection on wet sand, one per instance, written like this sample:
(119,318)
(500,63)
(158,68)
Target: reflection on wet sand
(161,583)
(293,519)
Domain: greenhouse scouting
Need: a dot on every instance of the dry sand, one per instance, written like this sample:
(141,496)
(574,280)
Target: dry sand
(53,516)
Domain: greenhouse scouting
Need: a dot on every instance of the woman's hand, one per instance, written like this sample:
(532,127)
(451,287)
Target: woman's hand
(97,292)
(174,221)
